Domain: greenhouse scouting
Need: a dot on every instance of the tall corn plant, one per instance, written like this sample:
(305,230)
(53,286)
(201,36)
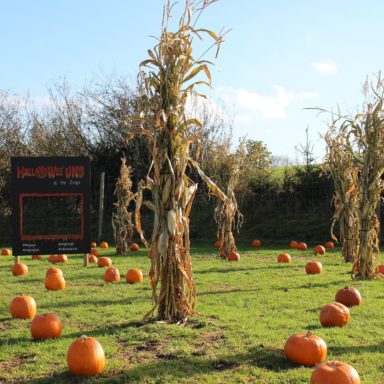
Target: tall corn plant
(228,173)
(339,163)
(122,223)
(165,83)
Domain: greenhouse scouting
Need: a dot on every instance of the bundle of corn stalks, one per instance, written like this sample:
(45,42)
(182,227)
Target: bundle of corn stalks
(339,163)
(164,89)
(228,172)
(365,141)
(122,224)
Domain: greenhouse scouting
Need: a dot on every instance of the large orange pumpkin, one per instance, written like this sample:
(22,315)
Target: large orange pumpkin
(305,349)
(52,270)
(37,257)
(85,356)
(234,256)
(104,245)
(19,269)
(334,315)
(23,307)
(348,296)
(256,243)
(335,372)
(104,262)
(46,326)
(55,282)
(284,258)
(313,267)
(111,275)
(5,252)
(302,246)
(329,245)
(134,247)
(319,250)
(133,276)
(293,244)
(217,244)
(61,259)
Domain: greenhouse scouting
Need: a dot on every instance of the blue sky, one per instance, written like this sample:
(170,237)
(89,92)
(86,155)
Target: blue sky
(280,57)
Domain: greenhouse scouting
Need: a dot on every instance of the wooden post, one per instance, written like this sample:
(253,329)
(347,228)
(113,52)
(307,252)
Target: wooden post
(85,260)
(17,259)
(101,207)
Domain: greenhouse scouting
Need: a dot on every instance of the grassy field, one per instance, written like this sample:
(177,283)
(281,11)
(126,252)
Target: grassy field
(246,311)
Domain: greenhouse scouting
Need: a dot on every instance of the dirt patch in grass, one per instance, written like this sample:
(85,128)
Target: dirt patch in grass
(16,362)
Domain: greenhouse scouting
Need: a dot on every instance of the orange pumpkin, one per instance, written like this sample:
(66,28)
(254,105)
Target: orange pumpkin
(62,259)
(302,246)
(92,258)
(46,326)
(104,245)
(348,296)
(37,257)
(305,349)
(284,258)
(329,245)
(19,269)
(111,275)
(85,356)
(319,250)
(23,307)
(380,269)
(93,245)
(5,252)
(313,267)
(95,252)
(104,262)
(233,256)
(52,258)
(55,282)
(293,244)
(52,270)
(134,247)
(133,276)
(334,315)
(217,245)
(335,372)
(256,243)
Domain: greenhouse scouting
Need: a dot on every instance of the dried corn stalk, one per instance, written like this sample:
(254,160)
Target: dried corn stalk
(339,163)
(121,218)
(164,89)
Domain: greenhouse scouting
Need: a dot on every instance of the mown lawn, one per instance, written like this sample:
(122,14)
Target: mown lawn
(246,311)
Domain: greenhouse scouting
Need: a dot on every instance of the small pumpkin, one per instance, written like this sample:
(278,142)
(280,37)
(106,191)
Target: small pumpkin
(23,307)
(335,372)
(319,250)
(112,275)
(133,276)
(37,257)
(104,262)
(233,256)
(305,349)
(302,246)
(293,244)
(19,269)
(52,270)
(329,245)
(93,245)
(334,315)
(256,243)
(134,247)
(85,356)
(5,252)
(52,258)
(313,267)
(217,244)
(103,245)
(380,269)
(95,252)
(348,296)
(46,326)
(62,259)
(92,258)
(284,258)
(55,282)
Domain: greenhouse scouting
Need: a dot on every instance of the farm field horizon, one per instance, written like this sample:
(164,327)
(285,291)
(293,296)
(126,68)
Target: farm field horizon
(245,312)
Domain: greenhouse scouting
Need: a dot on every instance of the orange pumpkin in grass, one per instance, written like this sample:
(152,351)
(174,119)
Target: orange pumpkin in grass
(5,252)
(133,276)
(233,256)
(19,269)
(293,244)
(55,282)
(85,356)
(37,257)
(284,258)
(53,270)
(61,259)
(329,245)
(256,243)
(334,315)
(104,262)
(93,245)
(217,245)
(104,245)
(52,258)
(46,326)
(95,252)
(380,269)
(313,267)
(302,246)
(23,307)
(305,349)
(348,296)
(112,275)
(134,247)
(334,372)
(319,250)
(92,258)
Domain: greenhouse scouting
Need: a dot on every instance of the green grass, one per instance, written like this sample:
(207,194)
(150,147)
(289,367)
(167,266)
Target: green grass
(246,311)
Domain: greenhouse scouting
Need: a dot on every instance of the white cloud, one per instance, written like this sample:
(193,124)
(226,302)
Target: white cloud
(325,67)
(250,105)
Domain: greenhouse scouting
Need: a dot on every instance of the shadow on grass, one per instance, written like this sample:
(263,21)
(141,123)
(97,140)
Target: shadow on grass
(175,367)
(379,348)
(321,285)
(240,269)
